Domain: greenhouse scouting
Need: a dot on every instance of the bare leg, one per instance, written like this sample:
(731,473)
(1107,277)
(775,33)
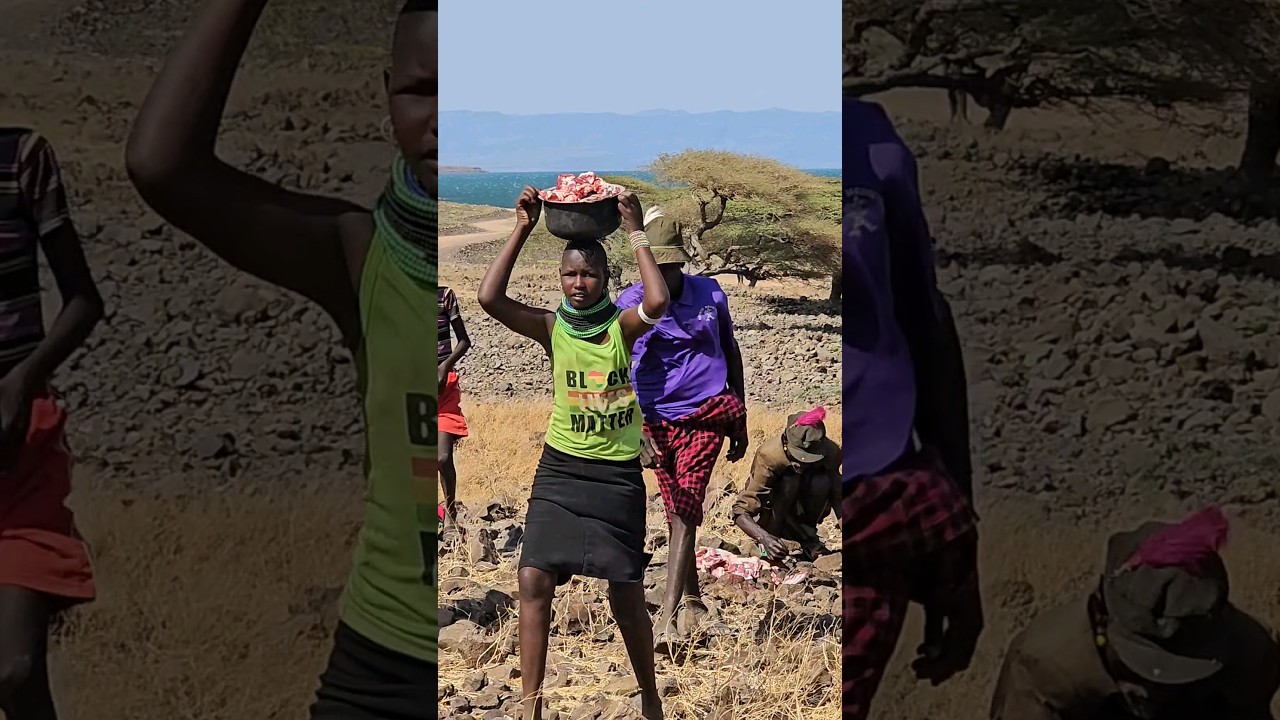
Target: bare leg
(626,600)
(679,562)
(537,590)
(692,590)
(449,480)
(24,645)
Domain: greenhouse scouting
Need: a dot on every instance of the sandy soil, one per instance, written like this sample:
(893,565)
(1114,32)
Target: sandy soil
(485,231)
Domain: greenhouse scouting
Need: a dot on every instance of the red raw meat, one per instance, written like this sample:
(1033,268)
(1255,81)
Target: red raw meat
(719,563)
(587,187)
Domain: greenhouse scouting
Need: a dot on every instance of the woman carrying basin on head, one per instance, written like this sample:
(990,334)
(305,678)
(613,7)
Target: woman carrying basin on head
(587,507)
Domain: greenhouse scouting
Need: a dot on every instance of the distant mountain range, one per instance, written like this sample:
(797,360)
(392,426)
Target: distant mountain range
(499,142)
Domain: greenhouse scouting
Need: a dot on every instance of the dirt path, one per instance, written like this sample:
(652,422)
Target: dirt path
(489,230)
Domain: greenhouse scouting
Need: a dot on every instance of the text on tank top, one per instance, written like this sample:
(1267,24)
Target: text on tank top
(596,415)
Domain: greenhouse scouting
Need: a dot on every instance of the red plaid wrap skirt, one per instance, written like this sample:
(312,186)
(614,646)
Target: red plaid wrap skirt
(910,535)
(688,449)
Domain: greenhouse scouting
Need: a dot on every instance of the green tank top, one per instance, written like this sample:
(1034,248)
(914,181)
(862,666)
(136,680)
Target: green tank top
(596,415)
(391,595)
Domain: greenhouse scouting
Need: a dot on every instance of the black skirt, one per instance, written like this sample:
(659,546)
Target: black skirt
(586,517)
(365,681)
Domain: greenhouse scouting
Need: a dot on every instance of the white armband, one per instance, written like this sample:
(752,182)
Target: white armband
(648,320)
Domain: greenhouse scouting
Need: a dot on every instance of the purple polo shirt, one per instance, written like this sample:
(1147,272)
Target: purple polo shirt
(680,364)
(883,300)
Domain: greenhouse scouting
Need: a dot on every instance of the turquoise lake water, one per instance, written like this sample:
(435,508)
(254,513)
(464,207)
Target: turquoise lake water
(501,189)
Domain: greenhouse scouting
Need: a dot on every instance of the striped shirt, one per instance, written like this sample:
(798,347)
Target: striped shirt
(448,313)
(33,204)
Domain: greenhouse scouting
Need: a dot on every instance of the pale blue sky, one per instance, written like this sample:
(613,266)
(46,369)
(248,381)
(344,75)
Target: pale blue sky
(542,57)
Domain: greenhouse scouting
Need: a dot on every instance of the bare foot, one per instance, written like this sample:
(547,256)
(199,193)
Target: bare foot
(452,534)
(692,613)
(533,708)
(663,623)
(665,636)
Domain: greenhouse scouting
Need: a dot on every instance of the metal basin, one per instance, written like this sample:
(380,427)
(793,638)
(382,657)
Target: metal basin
(582,220)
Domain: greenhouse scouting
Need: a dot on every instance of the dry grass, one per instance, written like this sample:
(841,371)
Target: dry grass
(1032,560)
(788,676)
(194,619)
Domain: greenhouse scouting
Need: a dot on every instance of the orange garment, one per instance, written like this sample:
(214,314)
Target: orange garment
(450,418)
(40,548)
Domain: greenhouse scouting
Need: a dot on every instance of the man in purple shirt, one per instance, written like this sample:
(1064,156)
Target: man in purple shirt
(910,533)
(687,373)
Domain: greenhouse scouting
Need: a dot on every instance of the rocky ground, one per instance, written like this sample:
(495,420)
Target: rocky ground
(1118,307)
(768,650)
(214,419)
(1119,311)
(756,632)
(1117,301)
(789,335)
(199,373)
(145,30)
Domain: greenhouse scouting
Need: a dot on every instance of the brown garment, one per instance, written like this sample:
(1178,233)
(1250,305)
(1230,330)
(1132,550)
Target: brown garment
(1054,671)
(779,493)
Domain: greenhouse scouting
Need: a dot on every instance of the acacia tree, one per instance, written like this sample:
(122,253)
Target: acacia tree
(751,217)
(1028,53)
(1237,38)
